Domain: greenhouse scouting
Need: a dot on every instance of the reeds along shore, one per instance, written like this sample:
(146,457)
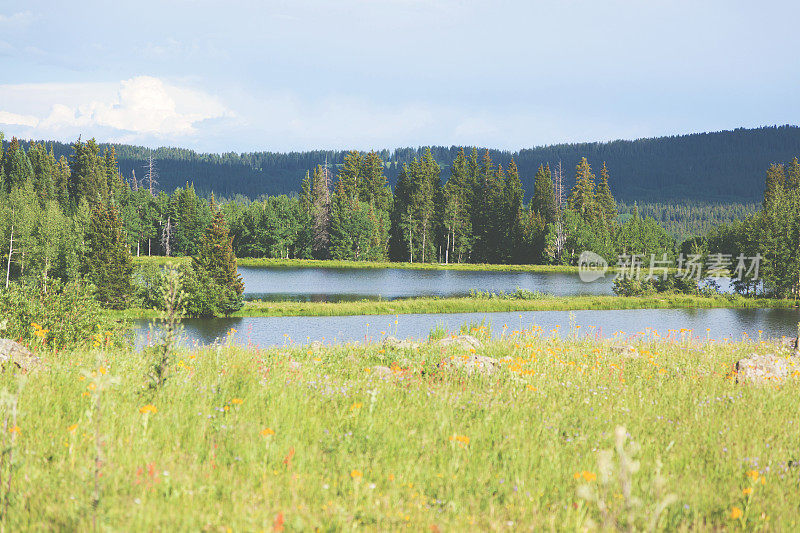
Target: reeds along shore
(539,302)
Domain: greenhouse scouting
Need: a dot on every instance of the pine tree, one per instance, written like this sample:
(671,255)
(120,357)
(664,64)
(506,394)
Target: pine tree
(220,285)
(775,182)
(16,165)
(544,198)
(108,262)
(605,200)
(87,177)
(582,198)
(374,188)
(512,205)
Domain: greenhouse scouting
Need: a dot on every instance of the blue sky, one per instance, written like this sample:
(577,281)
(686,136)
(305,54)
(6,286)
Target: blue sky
(295,75)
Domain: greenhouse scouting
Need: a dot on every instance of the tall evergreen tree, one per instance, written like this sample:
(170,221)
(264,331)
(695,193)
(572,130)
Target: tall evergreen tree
(217,286)
(582,198)
(544,198)
(605,200)
(108,263)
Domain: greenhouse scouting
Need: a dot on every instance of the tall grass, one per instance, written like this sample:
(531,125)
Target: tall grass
(302,439)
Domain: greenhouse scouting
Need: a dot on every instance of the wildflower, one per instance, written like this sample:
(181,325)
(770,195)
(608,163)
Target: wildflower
(356,405)
(463,440)
(72,428)
(748,491)
(736,513)
(753,474)
(149,408)
(266,432)
(586,475)
(34,325)
(237,401)
(102,370)
(356,474)
(15,429)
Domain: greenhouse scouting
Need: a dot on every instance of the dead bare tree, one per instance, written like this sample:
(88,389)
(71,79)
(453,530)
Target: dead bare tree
(166,236)
(152,181)
(152,175)
(558,189)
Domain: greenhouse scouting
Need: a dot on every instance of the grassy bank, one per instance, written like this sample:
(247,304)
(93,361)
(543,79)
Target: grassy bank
(293,439)
(314,263)
(488,305)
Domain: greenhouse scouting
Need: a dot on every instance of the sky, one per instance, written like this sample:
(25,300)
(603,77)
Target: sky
(290,75)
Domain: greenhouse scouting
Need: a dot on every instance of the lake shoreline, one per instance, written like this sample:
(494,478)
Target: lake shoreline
(361,265)
(485,305)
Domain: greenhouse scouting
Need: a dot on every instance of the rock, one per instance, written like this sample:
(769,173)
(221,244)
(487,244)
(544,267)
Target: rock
(462,341)
(766,368)
(625,349)
(788,344)
(18,355)
(397,344)
(471,364)
(381,371)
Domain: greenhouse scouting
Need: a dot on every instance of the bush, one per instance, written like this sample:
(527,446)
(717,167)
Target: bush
(57,315)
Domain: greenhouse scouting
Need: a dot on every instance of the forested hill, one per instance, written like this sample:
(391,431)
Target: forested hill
(725,166)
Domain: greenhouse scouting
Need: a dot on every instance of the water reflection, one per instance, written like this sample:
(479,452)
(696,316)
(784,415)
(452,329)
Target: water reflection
(722,325)
(332,284)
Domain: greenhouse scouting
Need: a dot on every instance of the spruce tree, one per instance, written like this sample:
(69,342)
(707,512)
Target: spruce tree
(582,198)
(107,263)
(219,285)
(544,198)
(605,200)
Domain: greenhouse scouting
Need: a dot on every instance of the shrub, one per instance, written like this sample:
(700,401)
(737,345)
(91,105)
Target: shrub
(57,315)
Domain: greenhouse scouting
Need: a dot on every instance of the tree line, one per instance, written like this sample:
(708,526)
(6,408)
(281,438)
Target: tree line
(720,166)
(77,216)
(772,233)
(76,219)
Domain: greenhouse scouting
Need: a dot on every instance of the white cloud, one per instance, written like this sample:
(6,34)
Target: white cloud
(19,120)
(141,107)
(18,20)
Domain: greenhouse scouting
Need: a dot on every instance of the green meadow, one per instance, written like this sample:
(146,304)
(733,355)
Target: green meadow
(567,434)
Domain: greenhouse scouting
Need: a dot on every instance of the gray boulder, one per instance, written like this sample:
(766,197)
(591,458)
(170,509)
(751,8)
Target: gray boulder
(18,355)
(765,369)
(394,343)
(382,371)
(461,341)
(471,364)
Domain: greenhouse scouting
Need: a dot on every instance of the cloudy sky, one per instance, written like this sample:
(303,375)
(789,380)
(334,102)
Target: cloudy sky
(299,74)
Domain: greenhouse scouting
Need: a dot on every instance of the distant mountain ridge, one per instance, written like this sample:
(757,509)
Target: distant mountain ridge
(719,166)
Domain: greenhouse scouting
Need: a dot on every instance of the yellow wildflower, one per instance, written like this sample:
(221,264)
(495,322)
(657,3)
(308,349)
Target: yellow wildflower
(266,432)
(356,474)
(72,428)
(149,408)
(15,429)
(748,491)
(237,401)
(736,513)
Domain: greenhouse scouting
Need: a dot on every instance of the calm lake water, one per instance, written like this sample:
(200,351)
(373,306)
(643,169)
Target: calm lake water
(723,324)
(331,284)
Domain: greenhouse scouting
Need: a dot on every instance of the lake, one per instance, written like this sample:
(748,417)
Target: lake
(723,324)
(347,284)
